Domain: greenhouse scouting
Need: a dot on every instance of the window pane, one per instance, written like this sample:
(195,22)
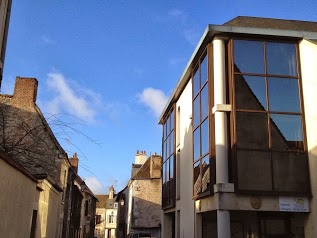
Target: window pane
(197,144)
(196,111)
(168,146)
(205,173)
(171,167)
(164,130)
(250,92)
(204,71)
(281,58)
(254,170)
(164,173)
(284,95)
(204,102)
(172,143)
(196,82)
(286,132)
(252,130)
(205,137)
(290,171)
(249,56)
(197,180)
(164,150)
(172,120)
(167,170)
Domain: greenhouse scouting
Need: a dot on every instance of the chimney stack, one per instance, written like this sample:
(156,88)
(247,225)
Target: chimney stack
(25,92)
(140,157)
(155,166)
(111,192)
(74,162)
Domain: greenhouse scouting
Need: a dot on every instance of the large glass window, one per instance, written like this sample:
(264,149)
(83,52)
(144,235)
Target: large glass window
(168,168)
(201,164)
(269,136)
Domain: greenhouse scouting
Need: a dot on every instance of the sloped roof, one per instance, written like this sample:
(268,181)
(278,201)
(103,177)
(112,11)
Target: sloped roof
(144,172)
(272,23)
(84,186)
(102,201)
(30,140)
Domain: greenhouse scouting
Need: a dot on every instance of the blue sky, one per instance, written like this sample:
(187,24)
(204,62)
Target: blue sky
(107,67)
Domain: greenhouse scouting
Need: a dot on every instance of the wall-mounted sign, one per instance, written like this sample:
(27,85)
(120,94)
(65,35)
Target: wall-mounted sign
(293,204)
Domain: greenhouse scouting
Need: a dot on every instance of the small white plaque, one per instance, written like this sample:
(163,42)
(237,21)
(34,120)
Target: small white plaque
(293,204)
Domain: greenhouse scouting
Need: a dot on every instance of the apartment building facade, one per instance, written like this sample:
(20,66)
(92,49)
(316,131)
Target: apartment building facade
(239,147)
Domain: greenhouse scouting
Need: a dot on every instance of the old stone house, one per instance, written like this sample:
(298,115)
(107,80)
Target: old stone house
(139,204)
(106,215)
(83,205)
(27,138)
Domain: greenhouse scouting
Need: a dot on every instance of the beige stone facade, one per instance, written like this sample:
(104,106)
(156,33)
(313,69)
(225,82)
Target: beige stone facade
(139,204)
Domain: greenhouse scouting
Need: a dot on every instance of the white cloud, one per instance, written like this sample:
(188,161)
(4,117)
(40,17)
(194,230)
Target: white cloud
(176,61)
(47,40)
(95,186)
(185,23)
(155,99)
(175,13)
(138,71)
(71,98)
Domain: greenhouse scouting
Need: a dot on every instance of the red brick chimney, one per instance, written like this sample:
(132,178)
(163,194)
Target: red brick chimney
(25,92)
(74,162)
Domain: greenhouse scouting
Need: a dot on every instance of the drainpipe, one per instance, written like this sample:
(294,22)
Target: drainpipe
(223,216)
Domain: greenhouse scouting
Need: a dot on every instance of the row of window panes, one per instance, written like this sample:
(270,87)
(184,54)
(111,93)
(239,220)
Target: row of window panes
(201,176)
(201,106)
(168,194)
(268,118)
(253,133)
(201,167)
(168,146)
(201,140)
(281,94)
(200,76)
(169,125)
(277,97)
(289,171)
(168,169)
(168,161)
(280,57)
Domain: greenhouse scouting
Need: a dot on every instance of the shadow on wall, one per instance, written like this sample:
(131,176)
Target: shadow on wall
(146,217)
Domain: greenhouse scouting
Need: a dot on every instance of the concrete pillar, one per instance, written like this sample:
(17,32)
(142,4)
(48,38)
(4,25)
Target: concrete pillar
(223,216)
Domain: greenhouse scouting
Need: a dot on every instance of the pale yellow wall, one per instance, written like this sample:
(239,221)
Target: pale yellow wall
(100,228)
(48,211)
(17,201)
(308,57)
(114,224)
(185,204)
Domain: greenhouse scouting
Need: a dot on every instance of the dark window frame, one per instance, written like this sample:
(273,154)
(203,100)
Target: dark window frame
(210,155)
(169,182)
(265,111)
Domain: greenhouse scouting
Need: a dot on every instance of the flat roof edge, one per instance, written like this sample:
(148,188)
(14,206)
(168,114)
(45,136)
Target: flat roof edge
(208,35)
